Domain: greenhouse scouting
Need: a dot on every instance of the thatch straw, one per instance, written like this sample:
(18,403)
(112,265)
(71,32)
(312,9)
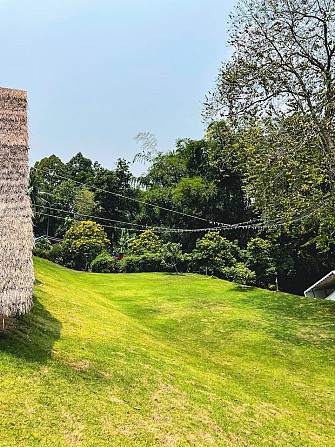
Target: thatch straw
(16,235)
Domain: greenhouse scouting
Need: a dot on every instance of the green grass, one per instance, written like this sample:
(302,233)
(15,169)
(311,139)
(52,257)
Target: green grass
(157,359)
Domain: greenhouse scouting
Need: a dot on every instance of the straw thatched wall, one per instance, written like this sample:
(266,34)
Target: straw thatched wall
(16,235)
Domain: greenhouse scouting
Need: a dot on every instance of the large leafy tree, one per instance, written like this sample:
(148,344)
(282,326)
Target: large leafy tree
(283,63)
(80,168)
(277,93)
(45,179)
(82,243)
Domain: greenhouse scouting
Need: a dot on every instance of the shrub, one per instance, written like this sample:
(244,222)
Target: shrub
(213,252)
(43,244)
(149,262)
(41,253)
(171,255)
(239,273)
(44,249)
(147,242)
(82,243)
(55,254)
(103,263)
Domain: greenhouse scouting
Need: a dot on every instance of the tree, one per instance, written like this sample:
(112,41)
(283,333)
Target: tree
(260,260)
(214,252)
(194,196)
(45,180)
(283,63)
(82,243)
(277,95)
(114,195)
(80,168)
(147,242)
(84,203)
(171,255)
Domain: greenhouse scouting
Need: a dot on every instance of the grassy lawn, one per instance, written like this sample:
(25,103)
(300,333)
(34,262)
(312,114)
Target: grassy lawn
(157,359)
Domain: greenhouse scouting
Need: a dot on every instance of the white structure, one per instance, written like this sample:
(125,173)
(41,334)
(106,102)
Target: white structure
(324,288)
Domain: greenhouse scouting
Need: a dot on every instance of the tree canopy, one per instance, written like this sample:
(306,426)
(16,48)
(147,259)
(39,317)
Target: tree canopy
(273,107)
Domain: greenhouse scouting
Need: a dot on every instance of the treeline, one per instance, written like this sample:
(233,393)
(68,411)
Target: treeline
(193,187)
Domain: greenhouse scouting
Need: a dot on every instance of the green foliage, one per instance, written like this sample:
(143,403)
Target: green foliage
(239,273)
(82,243)
(80,168)
(171,255)
(124,240)
(267,76)
(213,252)
(45,170)
(43,244)
(276,93)
(53,252)
(193,195)
(111,184)
(260,259)
(103,263)
(148,262)
(147,242)
(84,203)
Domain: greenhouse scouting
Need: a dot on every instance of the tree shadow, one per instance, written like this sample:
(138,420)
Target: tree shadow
(245,289)
(174,274)
(31,337)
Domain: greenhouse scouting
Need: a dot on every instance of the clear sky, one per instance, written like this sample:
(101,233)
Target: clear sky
(98,72)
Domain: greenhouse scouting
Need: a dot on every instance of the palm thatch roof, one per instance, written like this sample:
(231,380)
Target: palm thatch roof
(16,235)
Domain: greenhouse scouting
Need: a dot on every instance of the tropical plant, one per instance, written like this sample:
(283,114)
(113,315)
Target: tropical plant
(214,252)
(147,242)
(103,263)
(82,243)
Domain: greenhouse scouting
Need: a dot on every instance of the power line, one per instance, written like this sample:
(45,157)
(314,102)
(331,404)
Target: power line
(195,230)
(217,226)
(94,217)
(255,224)
(124,197)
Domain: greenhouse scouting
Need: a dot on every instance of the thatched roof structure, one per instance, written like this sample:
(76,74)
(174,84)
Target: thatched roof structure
(16,235)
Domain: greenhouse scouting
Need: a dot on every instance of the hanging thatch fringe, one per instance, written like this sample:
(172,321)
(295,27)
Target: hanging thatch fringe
(16,235)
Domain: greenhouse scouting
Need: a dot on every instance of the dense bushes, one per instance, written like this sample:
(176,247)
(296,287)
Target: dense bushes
(147,242)
(260,259)
(85,247)
(44,249)
(82,243)
(149,262)
(213,253)
(239,273)
(103,263)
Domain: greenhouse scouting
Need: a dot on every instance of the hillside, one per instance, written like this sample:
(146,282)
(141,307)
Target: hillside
(163,360)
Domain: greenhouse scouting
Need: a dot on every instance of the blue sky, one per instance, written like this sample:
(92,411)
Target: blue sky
(98,72)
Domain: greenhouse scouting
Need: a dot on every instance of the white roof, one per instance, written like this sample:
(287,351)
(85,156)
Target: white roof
(327,280)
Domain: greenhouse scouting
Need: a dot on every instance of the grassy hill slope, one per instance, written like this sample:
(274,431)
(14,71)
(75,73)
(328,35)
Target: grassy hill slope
(165,360)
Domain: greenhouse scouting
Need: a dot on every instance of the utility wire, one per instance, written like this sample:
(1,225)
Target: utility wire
(215,225)
(123,196)
(196,230)
(255,223)
(96,217)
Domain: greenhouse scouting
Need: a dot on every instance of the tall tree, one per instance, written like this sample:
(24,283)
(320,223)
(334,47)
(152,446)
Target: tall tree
(283,63)
(80,168)
(277,91)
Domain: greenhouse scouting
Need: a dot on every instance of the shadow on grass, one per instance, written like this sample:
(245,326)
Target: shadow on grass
(245,289)
(32,336)
(173,274)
